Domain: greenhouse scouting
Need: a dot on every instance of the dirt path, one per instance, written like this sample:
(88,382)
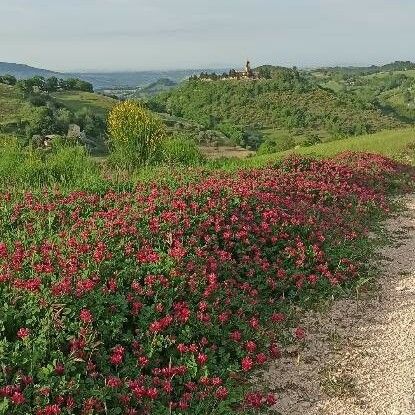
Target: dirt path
(360,356)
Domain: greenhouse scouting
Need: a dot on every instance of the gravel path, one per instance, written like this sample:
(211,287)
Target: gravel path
(360,354)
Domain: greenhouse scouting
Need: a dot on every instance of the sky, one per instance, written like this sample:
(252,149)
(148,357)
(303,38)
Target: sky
(110,35)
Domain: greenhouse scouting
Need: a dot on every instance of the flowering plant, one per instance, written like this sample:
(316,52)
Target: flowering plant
(161,300)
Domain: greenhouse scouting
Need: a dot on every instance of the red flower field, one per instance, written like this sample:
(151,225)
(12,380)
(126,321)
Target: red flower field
(162,300)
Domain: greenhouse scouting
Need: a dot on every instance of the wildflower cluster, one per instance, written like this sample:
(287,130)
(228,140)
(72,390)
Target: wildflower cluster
(162,300)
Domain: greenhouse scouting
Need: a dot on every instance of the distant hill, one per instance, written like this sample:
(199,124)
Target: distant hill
(117,80)
(163,84)
(104,80)
(367,70)
(21,71)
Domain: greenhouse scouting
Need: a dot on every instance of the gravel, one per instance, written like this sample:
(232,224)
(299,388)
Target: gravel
(360,354)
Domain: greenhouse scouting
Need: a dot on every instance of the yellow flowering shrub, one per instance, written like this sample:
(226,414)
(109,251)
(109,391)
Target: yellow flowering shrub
(135,133)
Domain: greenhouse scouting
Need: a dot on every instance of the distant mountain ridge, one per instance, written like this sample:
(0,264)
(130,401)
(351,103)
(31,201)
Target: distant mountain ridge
(22,71)
(362,70)
(103,80)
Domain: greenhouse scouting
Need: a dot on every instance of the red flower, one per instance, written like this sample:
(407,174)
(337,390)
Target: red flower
(18,398)
(247,364)
(202,359)
(86,316)
(261,358)
(143,361)
(23,332)
(271,400)
(236,336)
(116,359)
(114,382)
(59,369)
(254,323)
(299,333)
(221,393)
(277,317)
(152,393)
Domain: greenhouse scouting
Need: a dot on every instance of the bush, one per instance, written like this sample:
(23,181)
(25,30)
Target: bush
(136,135)
(181,150)
(63,164)
(277,143)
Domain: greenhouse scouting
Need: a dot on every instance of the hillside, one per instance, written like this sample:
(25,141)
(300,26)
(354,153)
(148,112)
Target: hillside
(162,85)
(286,105)
(28,115)
(393,91)
(21,71)
(366,70)
(397,144)
(77,100)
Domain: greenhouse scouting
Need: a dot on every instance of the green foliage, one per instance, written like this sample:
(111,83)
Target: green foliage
(8,80)
(287,101)
(136,135)
(181,150)
(62,165)
(393,92)
(53,84)
(276,142)
(398,144)
(92,123)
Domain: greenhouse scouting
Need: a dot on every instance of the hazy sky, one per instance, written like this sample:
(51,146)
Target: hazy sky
(160,34)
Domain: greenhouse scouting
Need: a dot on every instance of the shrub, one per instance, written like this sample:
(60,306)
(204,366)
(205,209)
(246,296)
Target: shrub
(63,164)
(277,143)
(181,150)
(136,135)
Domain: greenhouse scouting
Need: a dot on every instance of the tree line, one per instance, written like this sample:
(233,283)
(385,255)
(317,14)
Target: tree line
(41,84)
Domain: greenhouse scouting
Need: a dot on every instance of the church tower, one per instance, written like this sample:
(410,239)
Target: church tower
(249,73)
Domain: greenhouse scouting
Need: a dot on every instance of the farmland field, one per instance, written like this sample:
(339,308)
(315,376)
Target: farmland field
(75,101)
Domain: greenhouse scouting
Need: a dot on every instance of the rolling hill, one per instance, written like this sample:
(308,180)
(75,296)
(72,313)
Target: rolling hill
(162,85)
(393,91)
(14,110)
(21,71)
(77,100)
(288,104)
(398,144)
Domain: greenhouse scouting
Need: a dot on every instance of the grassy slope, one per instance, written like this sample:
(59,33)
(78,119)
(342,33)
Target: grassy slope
(75,100)
(13,108)
(398,143)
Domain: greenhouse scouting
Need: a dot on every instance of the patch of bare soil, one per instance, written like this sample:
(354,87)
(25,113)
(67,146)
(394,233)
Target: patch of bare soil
(212,152)
(360,354)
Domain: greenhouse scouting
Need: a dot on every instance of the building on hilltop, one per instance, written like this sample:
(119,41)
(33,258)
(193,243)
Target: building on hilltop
(246,74)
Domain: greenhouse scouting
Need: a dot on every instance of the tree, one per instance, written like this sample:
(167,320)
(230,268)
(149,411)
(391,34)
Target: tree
(51,84)
(24,86)
(38,83)
(265,72)
(8,80)
(136,135)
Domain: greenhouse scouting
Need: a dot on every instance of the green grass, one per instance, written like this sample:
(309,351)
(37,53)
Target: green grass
(398,143)
(75,101)
(409,73)
(13,108)
(333,85)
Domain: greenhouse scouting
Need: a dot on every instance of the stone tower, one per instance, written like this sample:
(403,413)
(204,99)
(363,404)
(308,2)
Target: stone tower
(248,69)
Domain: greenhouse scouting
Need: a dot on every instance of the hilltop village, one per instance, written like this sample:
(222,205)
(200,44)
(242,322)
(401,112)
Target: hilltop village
(246,74)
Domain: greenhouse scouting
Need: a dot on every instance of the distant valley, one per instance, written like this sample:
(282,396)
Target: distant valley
(105,80)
